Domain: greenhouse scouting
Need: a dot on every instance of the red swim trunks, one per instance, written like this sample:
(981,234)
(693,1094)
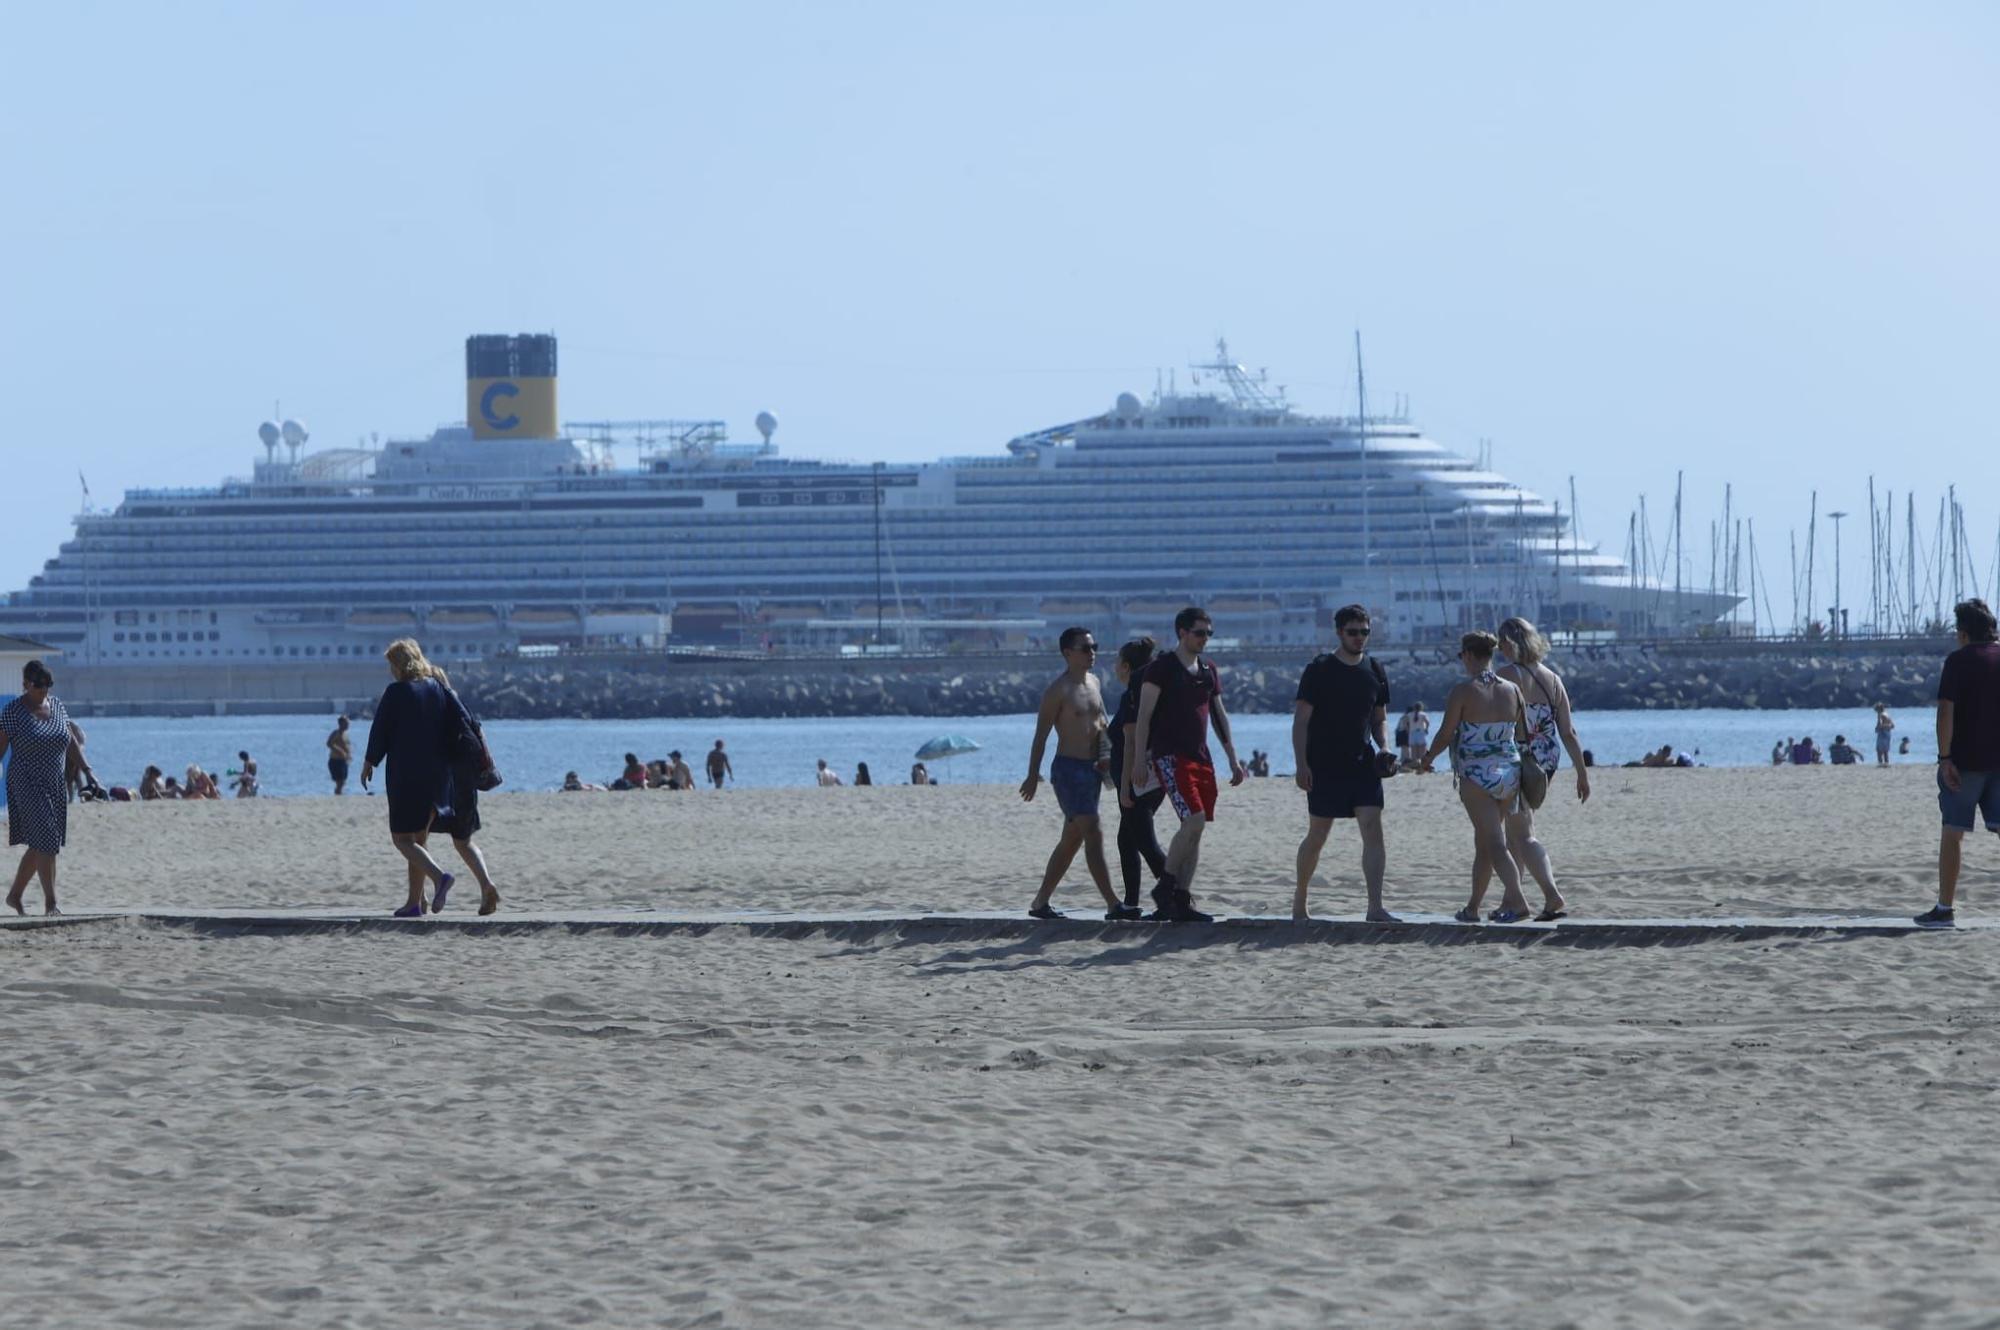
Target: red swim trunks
(1190,785)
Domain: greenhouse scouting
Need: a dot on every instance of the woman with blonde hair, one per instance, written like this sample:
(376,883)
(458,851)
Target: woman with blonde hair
(1483,726)
(1545,702)
(409,733)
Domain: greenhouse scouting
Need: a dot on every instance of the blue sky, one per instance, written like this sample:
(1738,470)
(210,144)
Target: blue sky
(1750,241)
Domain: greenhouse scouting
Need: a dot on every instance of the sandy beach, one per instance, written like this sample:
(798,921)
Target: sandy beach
(431,1126)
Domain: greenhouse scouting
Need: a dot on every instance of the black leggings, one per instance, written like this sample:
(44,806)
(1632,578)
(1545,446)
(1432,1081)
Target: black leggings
(1136,840)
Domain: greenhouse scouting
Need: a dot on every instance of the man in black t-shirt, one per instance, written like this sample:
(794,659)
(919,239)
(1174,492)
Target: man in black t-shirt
(1968,736)
(1340,722)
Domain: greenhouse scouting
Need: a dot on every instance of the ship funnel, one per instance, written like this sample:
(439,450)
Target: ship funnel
(510,386)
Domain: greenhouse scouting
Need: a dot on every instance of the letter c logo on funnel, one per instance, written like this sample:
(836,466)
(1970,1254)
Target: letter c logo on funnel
(486,399)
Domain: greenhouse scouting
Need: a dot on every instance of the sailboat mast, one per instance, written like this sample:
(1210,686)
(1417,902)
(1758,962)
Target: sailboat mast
(1361,409)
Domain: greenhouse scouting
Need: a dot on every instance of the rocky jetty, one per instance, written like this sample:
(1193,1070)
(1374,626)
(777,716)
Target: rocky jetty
(1623,678)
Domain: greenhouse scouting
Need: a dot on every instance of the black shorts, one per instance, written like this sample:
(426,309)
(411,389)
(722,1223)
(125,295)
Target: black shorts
(1339,792)
(336,767)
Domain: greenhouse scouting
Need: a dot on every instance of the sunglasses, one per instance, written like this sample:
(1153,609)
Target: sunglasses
(1201,632)
(1356,632)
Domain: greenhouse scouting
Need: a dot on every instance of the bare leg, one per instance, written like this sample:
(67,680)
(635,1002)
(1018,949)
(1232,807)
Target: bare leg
(1093,857)
(21,876)
(1489,835)
(1374,859)
(1060,859)
(1531,854)
(1184,852)
(489,895)
(1310,847)
(1948,856)
(45,867)
(411,846)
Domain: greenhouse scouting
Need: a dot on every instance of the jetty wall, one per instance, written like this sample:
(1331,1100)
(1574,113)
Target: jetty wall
(1666,677)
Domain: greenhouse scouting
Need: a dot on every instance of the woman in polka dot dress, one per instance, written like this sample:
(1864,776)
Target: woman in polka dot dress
(35,733)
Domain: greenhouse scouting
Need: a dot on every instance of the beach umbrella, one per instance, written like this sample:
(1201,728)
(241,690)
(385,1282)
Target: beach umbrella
(944,746)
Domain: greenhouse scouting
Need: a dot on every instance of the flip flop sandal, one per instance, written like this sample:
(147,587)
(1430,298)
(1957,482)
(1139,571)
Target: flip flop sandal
(1467,916)
(1550,916)
(1506,916)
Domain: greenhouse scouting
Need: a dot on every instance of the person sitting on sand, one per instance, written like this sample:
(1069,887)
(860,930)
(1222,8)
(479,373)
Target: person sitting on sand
(1805,753)
(172,789)
(634,777)
(572,783)
(150,786)
(920,774)
(246,777)
(1073,706)
(200,785)
(680,776)
(1781,751)
(827,776)
(861,776)
(1843,754)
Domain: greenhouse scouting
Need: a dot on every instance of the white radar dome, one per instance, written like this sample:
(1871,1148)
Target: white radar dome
(268,432)
(1127,406)
(294,432)
(767,425)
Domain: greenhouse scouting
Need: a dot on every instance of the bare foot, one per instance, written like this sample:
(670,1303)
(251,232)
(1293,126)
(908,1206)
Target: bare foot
(1378,915)
(14,904)
(1301,917)
(489,903)
(49,907)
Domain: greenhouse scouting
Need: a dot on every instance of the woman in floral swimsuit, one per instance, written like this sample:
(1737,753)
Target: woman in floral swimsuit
(1483,725)
(1546,704)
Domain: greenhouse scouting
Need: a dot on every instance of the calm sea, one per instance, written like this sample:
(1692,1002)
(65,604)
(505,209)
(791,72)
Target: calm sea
(534,754)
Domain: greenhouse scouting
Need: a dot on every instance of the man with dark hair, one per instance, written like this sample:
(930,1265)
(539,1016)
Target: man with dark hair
(1968,736)
(1339,726)
(1181,696)
(1073,706)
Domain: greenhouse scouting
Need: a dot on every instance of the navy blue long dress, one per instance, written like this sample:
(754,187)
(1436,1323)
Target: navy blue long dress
(409,732)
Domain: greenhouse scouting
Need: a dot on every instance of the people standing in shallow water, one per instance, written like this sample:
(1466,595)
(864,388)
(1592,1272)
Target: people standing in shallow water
(408,732)
(1483,726)
(246,777)
(1136,838)
(1885,725)
(1340,720)
(339,752)
(35,730)
(1551,730)
(718,765)
(1968,739)
(1073,706)
(1179,699)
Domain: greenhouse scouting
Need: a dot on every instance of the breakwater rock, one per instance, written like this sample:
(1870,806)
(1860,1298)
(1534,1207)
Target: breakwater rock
(1627,678)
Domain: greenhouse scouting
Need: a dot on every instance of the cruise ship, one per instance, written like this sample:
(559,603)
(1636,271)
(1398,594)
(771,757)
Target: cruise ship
(515,532)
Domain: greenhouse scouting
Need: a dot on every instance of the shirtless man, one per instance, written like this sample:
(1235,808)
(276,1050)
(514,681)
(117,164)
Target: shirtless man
(339,752)
(718,765)
(1073,705)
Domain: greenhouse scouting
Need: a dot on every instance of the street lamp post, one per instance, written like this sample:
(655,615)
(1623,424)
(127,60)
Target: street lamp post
(1837,625)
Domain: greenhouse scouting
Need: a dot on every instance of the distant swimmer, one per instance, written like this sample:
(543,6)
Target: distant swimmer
(718,766)
(339,752)
(1968,738)
(1073,706)
(1180,698)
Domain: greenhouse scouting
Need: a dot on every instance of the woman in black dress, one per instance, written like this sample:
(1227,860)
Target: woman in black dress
(409,732)
(1136,837)
(36,729)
